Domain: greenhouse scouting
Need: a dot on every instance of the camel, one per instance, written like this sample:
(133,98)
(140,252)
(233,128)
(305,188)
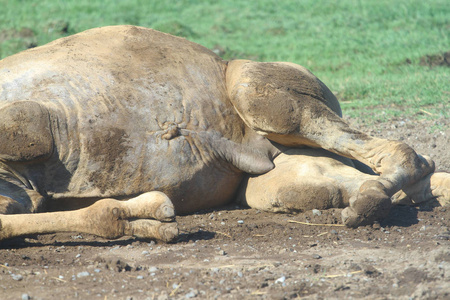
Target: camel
(115,130)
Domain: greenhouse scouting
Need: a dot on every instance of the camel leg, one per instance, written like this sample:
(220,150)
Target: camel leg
(305,179)
(290,106)
(398,165)
(150,215)
(433,186)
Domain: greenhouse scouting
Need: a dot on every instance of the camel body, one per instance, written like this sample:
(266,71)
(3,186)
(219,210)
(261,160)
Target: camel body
(118,112)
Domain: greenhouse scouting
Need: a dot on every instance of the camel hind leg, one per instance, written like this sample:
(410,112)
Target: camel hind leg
(434,186)
(305,179)
(290,106)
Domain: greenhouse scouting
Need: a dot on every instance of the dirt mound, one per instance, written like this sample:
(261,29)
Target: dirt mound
(25,36)
(7,34)
(436,60)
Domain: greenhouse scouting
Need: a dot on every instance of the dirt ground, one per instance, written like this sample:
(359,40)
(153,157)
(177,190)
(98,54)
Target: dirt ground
(240,253)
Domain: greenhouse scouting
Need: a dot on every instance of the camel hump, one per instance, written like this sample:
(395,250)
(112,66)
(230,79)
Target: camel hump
(25,132)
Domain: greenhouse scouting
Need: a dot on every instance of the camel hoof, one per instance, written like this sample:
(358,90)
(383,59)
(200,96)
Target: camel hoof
(151,205)
(371,204)
(351,219)
(440,188)
(165,212)
(168,232)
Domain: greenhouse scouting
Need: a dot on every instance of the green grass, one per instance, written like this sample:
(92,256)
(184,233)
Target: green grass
(367,52)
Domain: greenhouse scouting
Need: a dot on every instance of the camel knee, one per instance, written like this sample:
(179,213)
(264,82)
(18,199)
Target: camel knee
(25,132)
(400,164)
(106,218)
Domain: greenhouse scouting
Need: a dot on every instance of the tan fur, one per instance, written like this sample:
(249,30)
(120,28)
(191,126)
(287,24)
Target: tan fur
(116,112)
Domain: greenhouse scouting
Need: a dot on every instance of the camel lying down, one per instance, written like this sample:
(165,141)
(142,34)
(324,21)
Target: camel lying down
(131,113)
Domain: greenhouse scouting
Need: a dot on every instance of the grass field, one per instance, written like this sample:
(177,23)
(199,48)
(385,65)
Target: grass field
(368,52)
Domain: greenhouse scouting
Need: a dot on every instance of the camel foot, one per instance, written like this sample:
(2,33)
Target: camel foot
(151,205)
(434,188)
(166,232)
(440,188)
(150,215)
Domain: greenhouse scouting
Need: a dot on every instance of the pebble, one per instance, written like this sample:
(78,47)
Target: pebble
(281,279)
(17,277)
(140,277)
(240,222)
(277,264)
(145,252)
(191,294)
(25,297)
(316,212)
(152,269)
(221,252)
(423,228)
(316,256)
(83,274)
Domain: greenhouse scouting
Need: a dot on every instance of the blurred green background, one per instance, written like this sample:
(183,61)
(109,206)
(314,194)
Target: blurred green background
(383,59)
